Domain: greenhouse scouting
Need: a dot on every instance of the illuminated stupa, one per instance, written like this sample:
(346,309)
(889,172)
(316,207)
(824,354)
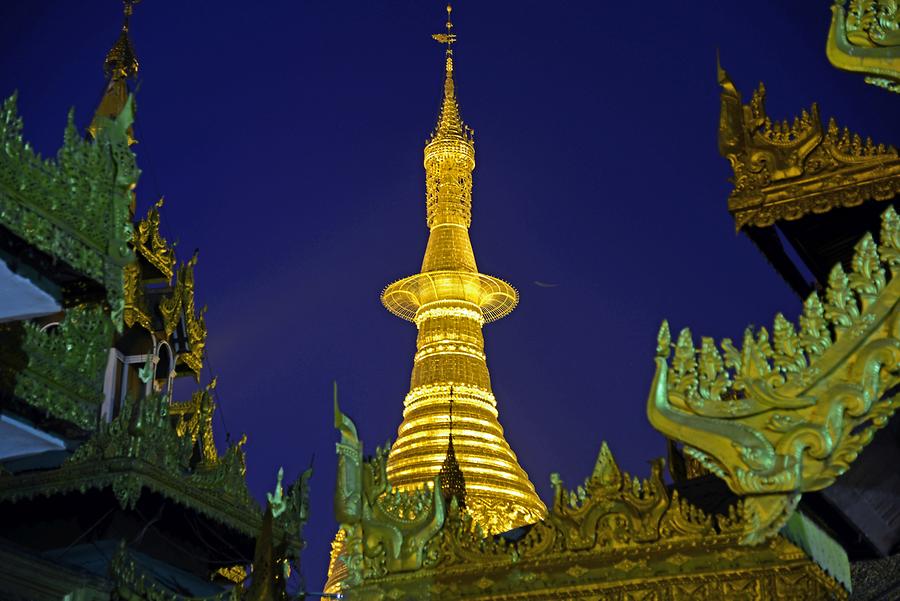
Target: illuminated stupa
(450,301)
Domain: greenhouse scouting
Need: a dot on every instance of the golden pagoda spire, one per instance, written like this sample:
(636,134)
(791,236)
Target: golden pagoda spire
(121,64)
(450,301)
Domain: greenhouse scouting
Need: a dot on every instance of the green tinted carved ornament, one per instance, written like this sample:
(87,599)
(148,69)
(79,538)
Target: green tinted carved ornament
(387,529)
(788,413)
(145,431)
(65,366)
(75,208)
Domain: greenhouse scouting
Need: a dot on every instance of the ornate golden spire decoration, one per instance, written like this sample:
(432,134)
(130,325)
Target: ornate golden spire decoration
(121,64)
(450,301)
(450,124)
(453,482)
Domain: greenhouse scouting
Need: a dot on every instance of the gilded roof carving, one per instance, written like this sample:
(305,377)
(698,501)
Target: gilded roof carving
(612,535)
(150,244)
(180,305)
(789,412)
(783,171)
(864,37)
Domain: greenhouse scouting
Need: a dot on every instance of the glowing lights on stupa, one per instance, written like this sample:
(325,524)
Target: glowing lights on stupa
(450,301)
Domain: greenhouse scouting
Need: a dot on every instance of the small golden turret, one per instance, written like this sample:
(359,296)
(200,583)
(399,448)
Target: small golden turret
(450,301)
(121,65)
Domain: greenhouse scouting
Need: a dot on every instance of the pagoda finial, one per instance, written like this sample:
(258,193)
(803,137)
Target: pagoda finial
(121,61)
(447,38)
(450,124)
(120,65)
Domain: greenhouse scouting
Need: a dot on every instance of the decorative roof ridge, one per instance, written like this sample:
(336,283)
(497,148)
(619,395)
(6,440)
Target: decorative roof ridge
(160,456)
(610,511)
(85,220)
(784,170)
(613,528)
(742,412)
(121,61)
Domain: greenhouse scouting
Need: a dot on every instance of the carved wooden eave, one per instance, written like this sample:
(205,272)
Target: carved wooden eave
(159,457)
(784,171)
(788,414)
(864,39)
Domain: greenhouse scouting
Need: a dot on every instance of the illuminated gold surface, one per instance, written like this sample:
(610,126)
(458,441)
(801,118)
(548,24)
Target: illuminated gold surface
(615,537)
(865,38)
(120,65)
(180,305)
(149,243)
(783,171)
(449,301)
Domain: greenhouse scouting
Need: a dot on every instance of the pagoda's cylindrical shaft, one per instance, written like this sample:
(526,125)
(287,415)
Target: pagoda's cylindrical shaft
(450,351)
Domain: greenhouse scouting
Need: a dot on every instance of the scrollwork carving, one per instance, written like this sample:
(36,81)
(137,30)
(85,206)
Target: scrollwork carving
(793,411)
(783,171)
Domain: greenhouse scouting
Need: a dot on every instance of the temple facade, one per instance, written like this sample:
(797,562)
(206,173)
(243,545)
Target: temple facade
(111,488)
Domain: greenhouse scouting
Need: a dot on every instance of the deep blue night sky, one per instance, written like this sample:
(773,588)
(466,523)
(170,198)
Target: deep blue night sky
(287,139)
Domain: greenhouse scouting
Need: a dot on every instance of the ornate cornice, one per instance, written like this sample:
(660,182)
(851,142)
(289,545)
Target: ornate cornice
(146,446)
(865,38)
(788,414)
(126,477)
(74,208)
(784,171)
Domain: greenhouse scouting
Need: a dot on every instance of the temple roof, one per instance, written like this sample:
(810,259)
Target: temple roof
(786,170)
